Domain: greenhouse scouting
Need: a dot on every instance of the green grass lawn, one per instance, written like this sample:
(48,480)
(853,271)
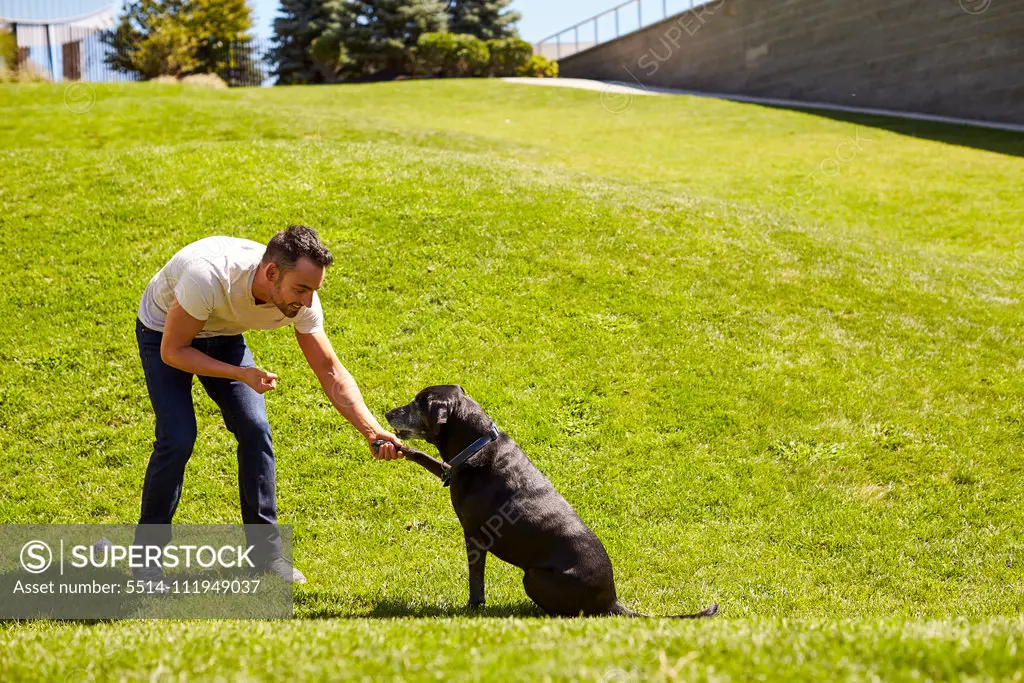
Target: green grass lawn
(772,358)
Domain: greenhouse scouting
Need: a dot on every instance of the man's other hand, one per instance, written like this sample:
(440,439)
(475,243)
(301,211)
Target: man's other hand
(260,381)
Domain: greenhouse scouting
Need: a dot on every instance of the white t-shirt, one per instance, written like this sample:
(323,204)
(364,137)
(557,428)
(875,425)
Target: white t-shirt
(212,280)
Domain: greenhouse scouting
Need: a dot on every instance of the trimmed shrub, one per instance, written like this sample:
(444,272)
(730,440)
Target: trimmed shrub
(451,54)
(431,53)
(328,55)
(473,55)
(539,66)
(508,56)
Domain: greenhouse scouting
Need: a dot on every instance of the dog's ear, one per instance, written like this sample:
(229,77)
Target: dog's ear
(459,387)
(439,413)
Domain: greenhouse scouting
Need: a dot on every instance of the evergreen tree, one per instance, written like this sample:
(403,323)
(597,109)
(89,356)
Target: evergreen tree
(378,35)
(328,53)
(485,19)
(299,24)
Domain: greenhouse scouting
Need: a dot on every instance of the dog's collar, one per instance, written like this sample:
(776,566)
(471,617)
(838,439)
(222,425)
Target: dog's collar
(467,453)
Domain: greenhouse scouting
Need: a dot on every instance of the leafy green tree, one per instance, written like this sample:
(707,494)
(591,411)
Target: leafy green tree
(485,19)
(215,24)
(177,37)
(144,36)
(226,20)
(299,24)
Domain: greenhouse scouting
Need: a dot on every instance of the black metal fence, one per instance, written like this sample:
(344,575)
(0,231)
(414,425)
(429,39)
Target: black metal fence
(74,53)
(243,63)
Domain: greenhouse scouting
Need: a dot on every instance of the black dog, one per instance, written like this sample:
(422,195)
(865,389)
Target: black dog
(507,507)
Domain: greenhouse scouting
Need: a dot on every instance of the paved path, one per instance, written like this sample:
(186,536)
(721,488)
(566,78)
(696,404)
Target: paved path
(616,96)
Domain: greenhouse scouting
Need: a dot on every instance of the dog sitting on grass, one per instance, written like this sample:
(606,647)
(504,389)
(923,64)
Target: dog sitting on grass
(508,508)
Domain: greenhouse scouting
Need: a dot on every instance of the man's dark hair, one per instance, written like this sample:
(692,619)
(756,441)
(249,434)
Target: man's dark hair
(299,241)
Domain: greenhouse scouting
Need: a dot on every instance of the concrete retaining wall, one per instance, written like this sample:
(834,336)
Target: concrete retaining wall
(961,58)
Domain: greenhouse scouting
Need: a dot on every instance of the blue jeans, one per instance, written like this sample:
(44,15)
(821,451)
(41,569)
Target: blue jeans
(245,415)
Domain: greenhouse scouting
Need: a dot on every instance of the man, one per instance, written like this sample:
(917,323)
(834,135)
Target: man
(190,322)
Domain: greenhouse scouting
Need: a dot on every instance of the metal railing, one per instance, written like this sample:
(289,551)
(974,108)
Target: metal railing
(626,18)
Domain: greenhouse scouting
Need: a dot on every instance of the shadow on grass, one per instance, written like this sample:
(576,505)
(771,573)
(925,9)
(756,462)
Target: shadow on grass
(322,606)
(989,139)
(394,608)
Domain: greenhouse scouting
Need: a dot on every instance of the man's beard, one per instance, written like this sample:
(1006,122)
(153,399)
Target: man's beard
(287,309)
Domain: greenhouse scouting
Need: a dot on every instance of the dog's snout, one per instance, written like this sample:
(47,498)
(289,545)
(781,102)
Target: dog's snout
(405,421)
(398,416)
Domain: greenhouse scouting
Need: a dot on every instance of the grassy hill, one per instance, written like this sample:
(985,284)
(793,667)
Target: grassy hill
(771,357)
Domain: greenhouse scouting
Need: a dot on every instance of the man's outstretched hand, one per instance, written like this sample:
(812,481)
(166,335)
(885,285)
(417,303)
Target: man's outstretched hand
(260,380)
(387,450)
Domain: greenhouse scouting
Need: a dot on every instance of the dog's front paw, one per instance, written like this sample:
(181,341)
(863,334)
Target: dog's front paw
(474,605)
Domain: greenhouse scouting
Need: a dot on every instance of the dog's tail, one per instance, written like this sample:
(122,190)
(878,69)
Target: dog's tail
(709,611)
